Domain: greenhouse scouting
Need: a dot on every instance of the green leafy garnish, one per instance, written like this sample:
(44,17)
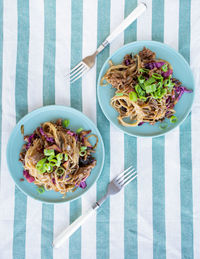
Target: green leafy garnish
(60,171)
(40,190)
(169,84)
(119,94)
(65,157)
(144,70)
(65,123)
(157,76)
(133,96)
(79,130)
(49,152)
(150,88)
(150,81)
(164,68)
(139,91)
(159,93)
(83,148)
(40,166)
(141,79)
(50,158)
(173,119)
(82,153)
(59,156)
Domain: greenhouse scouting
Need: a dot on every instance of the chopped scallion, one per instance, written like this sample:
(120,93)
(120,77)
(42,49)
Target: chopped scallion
(49,152)
(133,96)
(65,123)
(79,130)
(173,119)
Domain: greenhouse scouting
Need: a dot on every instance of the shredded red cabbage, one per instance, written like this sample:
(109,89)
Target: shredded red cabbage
(180,90)
(83,185)
(167,74)
(127,62)
(47,138)
(70,133)
(30,138)
(141,123)
(28,177)
(154,64)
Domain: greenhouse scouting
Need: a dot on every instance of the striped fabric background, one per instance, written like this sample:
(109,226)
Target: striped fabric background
(157,216)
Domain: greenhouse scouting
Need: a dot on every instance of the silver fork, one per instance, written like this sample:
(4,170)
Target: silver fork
(114,187)
(88,62)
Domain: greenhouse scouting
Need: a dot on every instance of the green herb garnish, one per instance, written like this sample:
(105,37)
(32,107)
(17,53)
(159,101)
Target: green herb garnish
(49,152)
(133,96)
(164,68)
(65,123)
(40,190)
(79,130)
(119,94)
(173,119)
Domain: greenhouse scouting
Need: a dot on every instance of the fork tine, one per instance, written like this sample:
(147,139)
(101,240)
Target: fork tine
(119,176)
(72,73)
(127,182)
(126,176)
(78,65)
(77,74)
(80,75)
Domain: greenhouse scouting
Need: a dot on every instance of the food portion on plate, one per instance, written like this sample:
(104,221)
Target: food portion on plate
(146,91)
(57,158)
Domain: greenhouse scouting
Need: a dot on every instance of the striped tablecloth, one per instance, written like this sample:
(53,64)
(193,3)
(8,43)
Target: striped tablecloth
(157,216)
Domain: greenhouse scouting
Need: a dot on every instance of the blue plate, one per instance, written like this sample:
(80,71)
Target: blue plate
(181,70)
(31,121)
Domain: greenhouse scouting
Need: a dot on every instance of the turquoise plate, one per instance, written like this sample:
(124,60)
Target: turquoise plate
(181,70)
(31,121)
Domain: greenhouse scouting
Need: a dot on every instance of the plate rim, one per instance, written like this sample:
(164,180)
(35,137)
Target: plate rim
(49,107)
(144,42)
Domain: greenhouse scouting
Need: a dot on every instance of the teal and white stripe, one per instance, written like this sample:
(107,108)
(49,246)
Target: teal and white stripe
(156,216)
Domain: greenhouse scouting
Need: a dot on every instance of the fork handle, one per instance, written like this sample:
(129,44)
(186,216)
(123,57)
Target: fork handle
(60,239)
(66,233)
(126,22)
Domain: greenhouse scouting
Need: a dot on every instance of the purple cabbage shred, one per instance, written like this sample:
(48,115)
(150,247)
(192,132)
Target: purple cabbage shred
(141,123)
(167,74)
(154,64)
(127,62)
(180,90)
(47,138)
(83,185)
(28,177)
(30,138)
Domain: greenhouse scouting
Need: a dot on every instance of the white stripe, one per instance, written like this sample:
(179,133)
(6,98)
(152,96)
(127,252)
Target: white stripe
(171,23)
(36,47)
(88,48)
(145,224)
(88,233)
(33,228)
(172,195)
(144,159)
(35,100)
(144,22)
(62,97)
(172,152)
(61,221)
(63,48)
(194,58)
(8,122)
(116,152)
